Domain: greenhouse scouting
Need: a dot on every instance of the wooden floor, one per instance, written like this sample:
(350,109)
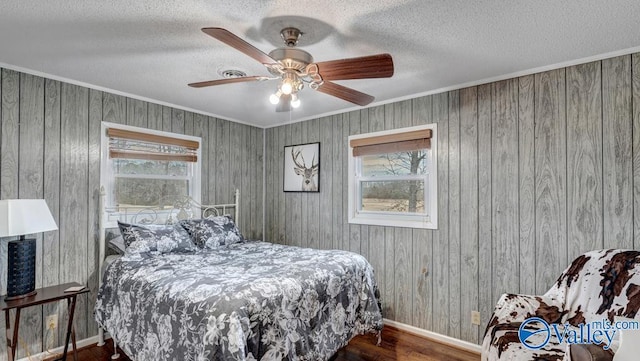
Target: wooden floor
(396,345)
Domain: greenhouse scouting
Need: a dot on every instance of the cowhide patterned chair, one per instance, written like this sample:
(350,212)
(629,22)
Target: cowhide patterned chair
(596,286)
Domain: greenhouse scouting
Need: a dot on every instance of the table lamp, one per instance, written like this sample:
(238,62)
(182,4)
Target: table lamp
(17,218)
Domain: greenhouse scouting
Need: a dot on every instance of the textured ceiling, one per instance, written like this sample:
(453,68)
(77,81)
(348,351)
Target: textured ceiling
(151,49)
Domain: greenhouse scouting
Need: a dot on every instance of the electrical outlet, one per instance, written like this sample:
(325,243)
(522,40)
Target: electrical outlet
(52,321)
(475,318)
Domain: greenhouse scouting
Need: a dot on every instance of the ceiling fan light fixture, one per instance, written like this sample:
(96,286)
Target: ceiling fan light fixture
(295,101)
(274,98)
(291,83)
(286,87)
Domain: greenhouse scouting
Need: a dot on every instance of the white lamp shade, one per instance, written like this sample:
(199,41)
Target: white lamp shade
(25,216)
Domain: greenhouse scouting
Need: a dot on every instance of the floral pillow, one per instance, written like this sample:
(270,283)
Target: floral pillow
(159,238)
(212,232)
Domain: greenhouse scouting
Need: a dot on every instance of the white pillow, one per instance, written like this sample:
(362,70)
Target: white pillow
(629,347)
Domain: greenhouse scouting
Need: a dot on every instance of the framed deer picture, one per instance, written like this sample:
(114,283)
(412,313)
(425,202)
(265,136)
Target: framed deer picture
(302,168)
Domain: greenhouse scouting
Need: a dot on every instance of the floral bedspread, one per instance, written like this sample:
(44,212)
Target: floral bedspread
(248,301)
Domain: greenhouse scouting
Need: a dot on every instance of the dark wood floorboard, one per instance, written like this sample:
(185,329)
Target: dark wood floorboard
(396,345)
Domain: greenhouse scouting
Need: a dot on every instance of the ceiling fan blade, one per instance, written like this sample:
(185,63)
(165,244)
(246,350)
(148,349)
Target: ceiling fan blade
(373,66)
(344,93)
(235,42)
(285,104)
(242,79)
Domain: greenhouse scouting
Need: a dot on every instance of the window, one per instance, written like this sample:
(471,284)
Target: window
(393,178)
(147,168)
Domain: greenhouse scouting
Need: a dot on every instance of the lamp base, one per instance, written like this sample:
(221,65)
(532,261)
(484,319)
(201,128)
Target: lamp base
(21,270)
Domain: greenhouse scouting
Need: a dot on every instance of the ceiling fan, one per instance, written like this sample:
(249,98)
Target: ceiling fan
(295,67)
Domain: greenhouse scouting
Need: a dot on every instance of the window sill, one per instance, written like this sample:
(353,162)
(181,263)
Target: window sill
(391,221)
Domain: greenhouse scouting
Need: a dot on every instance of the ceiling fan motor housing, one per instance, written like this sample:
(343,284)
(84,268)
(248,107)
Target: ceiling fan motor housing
(291,59)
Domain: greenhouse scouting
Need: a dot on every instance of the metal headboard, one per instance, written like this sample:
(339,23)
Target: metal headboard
(169,211)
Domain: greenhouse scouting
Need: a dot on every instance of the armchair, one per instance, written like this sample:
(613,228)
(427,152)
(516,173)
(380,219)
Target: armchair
(595,288)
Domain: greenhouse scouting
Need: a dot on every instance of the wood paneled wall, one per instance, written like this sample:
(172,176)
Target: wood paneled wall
(50,148)
(532,172)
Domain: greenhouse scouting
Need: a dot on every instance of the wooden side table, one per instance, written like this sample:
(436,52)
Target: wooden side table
(43,295)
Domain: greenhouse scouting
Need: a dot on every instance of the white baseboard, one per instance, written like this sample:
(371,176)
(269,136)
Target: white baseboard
(59,350)
(447,340)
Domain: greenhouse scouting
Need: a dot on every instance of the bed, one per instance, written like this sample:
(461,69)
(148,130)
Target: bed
(248,300)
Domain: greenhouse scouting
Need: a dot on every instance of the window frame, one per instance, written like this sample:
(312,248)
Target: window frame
(428,220)
(108,177)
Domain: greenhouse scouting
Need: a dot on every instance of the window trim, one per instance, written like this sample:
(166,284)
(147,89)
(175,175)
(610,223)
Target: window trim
(430,221)
(107,178)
